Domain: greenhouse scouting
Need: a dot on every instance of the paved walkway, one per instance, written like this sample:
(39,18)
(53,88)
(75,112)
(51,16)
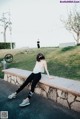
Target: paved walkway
(40,107)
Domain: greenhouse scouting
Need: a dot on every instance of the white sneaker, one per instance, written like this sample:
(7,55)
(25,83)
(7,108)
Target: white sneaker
(13,95)
(25,102)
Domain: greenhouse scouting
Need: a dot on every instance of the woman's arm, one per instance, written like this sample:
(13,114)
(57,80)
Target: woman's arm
(46,69)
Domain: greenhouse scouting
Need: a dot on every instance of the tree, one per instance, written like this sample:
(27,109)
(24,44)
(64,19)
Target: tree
(72,24)
(6,24)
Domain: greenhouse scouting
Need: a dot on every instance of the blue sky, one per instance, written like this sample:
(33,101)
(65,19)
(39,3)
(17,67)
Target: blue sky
(36,19)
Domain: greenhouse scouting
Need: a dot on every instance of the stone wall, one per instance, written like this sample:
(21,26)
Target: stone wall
(71,101)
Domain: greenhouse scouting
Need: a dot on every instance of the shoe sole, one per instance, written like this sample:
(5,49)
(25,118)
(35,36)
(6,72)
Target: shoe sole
(24,105)
(11,98)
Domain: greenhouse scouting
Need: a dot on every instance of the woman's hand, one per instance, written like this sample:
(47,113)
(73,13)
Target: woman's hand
(50,77)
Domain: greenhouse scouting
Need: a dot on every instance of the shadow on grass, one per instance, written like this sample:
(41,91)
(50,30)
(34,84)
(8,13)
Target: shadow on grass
(68,48)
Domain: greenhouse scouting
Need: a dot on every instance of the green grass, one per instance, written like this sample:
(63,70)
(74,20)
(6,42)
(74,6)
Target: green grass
(63,62)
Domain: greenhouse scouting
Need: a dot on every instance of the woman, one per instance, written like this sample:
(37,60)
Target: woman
(34,77)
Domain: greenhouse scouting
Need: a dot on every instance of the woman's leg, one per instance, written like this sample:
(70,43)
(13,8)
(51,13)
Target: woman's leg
(28,80)
(36,79)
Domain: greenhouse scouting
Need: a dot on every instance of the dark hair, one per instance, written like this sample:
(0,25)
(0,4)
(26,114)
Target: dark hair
(39,57)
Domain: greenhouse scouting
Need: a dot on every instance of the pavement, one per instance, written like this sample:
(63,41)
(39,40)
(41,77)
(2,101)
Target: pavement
(40,107)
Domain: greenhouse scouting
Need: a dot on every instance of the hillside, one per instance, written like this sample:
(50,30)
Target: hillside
(63,62)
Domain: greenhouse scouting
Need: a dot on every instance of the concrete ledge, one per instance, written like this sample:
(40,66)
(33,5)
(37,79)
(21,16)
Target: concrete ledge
(60,90)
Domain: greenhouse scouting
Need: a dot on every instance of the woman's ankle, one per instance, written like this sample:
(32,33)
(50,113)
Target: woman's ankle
(15,93)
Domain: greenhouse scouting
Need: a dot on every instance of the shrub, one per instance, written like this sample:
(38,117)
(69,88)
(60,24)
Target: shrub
(6,45)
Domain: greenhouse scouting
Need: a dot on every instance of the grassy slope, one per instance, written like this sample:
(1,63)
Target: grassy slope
(63,62)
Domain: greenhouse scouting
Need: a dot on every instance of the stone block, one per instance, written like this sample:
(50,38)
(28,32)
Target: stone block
(44,87)
(38,90)
(59,93)
(29,86)
(5,77)
(44,94)
(62,94)
(13,78)
(78,98)
(75,106)
(13,82)
(9,77)
(71,98)
(62,102)
(19,80)
(52,94)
